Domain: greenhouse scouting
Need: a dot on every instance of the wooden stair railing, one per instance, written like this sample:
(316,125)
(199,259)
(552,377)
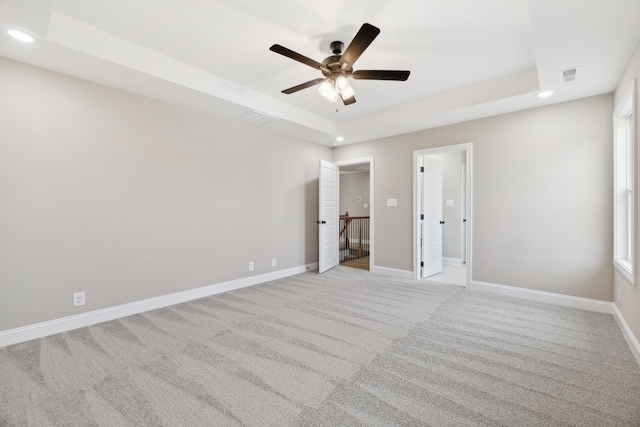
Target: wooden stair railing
(362,222)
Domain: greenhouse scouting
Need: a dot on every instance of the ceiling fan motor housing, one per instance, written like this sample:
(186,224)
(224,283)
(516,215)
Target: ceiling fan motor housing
(333,62)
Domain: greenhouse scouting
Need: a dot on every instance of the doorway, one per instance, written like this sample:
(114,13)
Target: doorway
(442,214)
(356,201)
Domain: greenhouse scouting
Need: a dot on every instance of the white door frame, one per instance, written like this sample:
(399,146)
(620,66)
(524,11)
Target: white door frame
(359,161)
(417,203)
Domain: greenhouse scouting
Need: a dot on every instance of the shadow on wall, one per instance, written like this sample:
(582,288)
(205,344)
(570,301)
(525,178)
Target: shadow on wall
(310,231)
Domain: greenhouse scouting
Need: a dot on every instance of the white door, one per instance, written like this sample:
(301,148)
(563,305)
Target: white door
(432,225)
(328,216)
(464,213)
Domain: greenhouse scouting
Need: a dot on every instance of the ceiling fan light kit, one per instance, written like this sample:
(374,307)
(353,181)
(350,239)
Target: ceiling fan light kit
(338,67)
(328,90)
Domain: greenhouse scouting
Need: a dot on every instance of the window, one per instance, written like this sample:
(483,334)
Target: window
(624,192)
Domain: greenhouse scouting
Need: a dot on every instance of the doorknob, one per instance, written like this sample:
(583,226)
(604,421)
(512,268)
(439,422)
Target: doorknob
(321,222)
(441,222)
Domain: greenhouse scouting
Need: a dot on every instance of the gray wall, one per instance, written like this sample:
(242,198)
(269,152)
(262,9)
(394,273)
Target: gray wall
(127,198)
(452,215)
(629,304)
(352,186)
(542,196)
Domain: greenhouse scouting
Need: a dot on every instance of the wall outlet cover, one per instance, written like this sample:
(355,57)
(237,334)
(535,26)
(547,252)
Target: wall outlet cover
(78,299)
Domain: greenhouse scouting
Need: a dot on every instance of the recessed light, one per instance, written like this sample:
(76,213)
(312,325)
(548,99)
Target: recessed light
(545,94)
(21,35)
(339,138)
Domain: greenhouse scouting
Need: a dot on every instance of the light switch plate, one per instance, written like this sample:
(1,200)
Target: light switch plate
(392,202)
(449,202)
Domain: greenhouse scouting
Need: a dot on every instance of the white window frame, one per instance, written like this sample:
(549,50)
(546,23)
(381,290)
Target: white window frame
(624,179)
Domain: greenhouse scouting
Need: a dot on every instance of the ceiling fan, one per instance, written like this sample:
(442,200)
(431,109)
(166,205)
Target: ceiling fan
(338,67)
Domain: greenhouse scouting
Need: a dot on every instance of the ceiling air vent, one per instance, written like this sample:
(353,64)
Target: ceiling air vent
(256,118)
(569,75)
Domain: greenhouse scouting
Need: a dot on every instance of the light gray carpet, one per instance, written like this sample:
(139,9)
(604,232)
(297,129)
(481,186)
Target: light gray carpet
(346,348)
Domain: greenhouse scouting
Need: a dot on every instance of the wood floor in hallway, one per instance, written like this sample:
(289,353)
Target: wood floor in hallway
(361,263)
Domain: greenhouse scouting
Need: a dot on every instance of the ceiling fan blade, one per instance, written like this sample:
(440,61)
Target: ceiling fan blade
(381,75)
(348,101)
(360,42)
(296,56)
(304,85)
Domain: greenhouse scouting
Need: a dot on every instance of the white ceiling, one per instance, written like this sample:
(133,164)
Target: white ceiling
(468,58)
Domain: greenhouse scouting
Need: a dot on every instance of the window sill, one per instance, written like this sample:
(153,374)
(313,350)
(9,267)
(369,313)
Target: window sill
(625,268)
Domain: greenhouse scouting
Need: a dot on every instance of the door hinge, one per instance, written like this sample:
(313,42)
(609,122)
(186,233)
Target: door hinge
(421,263)
(421,168)
(421,216)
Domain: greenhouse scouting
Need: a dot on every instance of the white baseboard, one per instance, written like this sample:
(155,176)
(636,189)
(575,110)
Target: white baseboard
(393,272)
(566,301)
(452,261)
(310,267)
(548,297)
(39,330)
(634,345)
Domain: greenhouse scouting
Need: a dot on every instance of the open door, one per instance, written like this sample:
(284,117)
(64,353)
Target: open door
(463,204)
(432,210)
(422,242)
(328,216)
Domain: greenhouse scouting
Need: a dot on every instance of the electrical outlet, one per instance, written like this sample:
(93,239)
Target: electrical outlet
(78,299)
(250,266)
(274,262)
